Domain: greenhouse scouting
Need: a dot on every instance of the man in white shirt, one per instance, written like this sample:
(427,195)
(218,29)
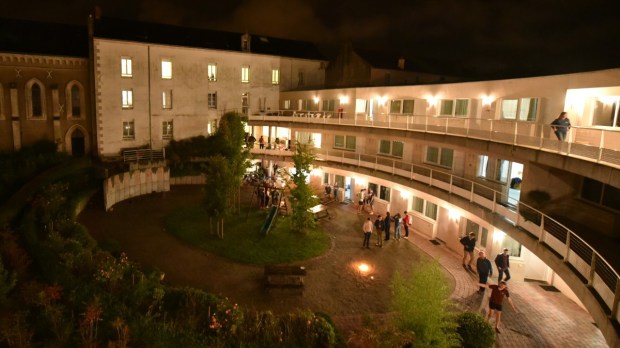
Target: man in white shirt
(367,228)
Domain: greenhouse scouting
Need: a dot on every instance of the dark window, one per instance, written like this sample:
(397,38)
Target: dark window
(37,105)
(75,102)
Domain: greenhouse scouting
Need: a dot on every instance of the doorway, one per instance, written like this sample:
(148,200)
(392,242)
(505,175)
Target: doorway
(245,103)
(77,143)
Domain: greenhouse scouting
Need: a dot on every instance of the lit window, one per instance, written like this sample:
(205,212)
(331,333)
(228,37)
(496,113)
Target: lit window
(245,74)
(425,208)
(454,107)
(523,109)
(127,96)
(391,148)
(347,142)
(493,168)
(275,76)
(166,130)
(439,156)
(287,104)
(129,131)
(126,70)
(166,99)
(212,100)
(212,72)
(166,69)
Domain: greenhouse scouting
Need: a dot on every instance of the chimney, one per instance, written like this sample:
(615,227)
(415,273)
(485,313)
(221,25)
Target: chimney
(401,63)
(245,42)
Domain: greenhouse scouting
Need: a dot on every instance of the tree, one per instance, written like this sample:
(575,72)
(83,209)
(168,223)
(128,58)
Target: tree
(225,169)
(301,193)
(421,303)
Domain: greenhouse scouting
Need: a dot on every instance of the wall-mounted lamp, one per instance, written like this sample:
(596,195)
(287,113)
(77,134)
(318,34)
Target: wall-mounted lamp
(432,100)
(344,99)
(316,100)
(454,214)
(487,100)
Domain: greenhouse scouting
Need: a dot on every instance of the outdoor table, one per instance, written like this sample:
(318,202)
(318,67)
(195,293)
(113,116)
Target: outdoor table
(319,211)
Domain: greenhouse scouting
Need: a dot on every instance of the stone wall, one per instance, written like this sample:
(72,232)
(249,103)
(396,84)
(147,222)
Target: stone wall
(135,183)
(188,180)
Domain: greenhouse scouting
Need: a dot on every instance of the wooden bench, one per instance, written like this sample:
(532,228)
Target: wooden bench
(285,277)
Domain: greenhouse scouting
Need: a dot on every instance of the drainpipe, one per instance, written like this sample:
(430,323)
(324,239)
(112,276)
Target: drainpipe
(148,48)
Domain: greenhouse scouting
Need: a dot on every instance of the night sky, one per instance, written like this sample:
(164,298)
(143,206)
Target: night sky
(491,38)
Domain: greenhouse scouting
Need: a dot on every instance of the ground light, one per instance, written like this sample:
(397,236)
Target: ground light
(364,269)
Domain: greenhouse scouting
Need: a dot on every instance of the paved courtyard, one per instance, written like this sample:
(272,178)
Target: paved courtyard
(333,284)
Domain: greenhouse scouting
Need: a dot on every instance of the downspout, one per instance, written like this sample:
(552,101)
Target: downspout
(148,47)
(94,139)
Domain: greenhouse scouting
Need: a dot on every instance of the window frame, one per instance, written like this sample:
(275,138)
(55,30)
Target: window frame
(167,130)
(346,142)
(518,111)
(438,162)
(212,72)
(424,208)
(166,102)
(245,74)
(454,107)
(126,67)
(392,148)
(166,67)
(129,130)
(212,100)
(275,76)
(127,99)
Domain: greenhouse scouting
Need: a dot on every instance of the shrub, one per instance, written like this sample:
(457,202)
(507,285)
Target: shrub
(475,331)
(422,306)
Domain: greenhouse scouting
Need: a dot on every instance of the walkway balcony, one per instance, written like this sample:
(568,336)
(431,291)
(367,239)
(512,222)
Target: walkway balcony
(591,274)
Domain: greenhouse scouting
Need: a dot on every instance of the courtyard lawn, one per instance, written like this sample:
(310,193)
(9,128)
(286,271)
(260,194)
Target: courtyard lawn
(242,239)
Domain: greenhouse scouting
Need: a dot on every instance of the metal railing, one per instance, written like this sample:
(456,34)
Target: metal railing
(596,144)
(144,155)
(588,263)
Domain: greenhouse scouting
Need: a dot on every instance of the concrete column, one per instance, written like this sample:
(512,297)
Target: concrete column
(17,134)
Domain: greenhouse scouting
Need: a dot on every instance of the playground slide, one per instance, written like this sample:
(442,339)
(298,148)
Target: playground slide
(271,217)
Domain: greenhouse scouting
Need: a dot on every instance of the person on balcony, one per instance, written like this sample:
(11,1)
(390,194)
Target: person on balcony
(261,142)
(560,126)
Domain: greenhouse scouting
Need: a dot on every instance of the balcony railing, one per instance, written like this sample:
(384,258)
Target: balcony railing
(140,155)
(596,144)
(589,264)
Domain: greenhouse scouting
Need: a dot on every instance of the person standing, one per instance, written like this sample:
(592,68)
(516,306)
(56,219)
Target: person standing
(397,225)
(370,200)
(469,243)
(251,141)
(561,125)
(379,231)
(406,223)
(367,228)
(261,142)
(484,269)
(498,293)
(360,200)
(386,225)
(336,190)
(502,261)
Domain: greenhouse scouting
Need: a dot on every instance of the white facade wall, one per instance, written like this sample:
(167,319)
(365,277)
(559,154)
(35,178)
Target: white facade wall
(552,92)
(190,86)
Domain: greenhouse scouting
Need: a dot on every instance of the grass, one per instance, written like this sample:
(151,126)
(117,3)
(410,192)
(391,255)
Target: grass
(242,239)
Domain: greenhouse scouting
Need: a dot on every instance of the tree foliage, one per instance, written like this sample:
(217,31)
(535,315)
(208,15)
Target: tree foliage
(301,192)
(225,168)
(421,302)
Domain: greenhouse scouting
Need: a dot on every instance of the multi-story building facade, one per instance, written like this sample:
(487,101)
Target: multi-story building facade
(43,95)
(162,86)
(459,157)
(480,157)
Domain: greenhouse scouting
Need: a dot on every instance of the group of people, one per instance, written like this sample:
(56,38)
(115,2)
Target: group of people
(267,195)
(365,198)
(484,269)
(332,189)
(382,227)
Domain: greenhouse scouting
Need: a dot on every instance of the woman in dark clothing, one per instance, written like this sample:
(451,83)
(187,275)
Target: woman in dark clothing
(386,225)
